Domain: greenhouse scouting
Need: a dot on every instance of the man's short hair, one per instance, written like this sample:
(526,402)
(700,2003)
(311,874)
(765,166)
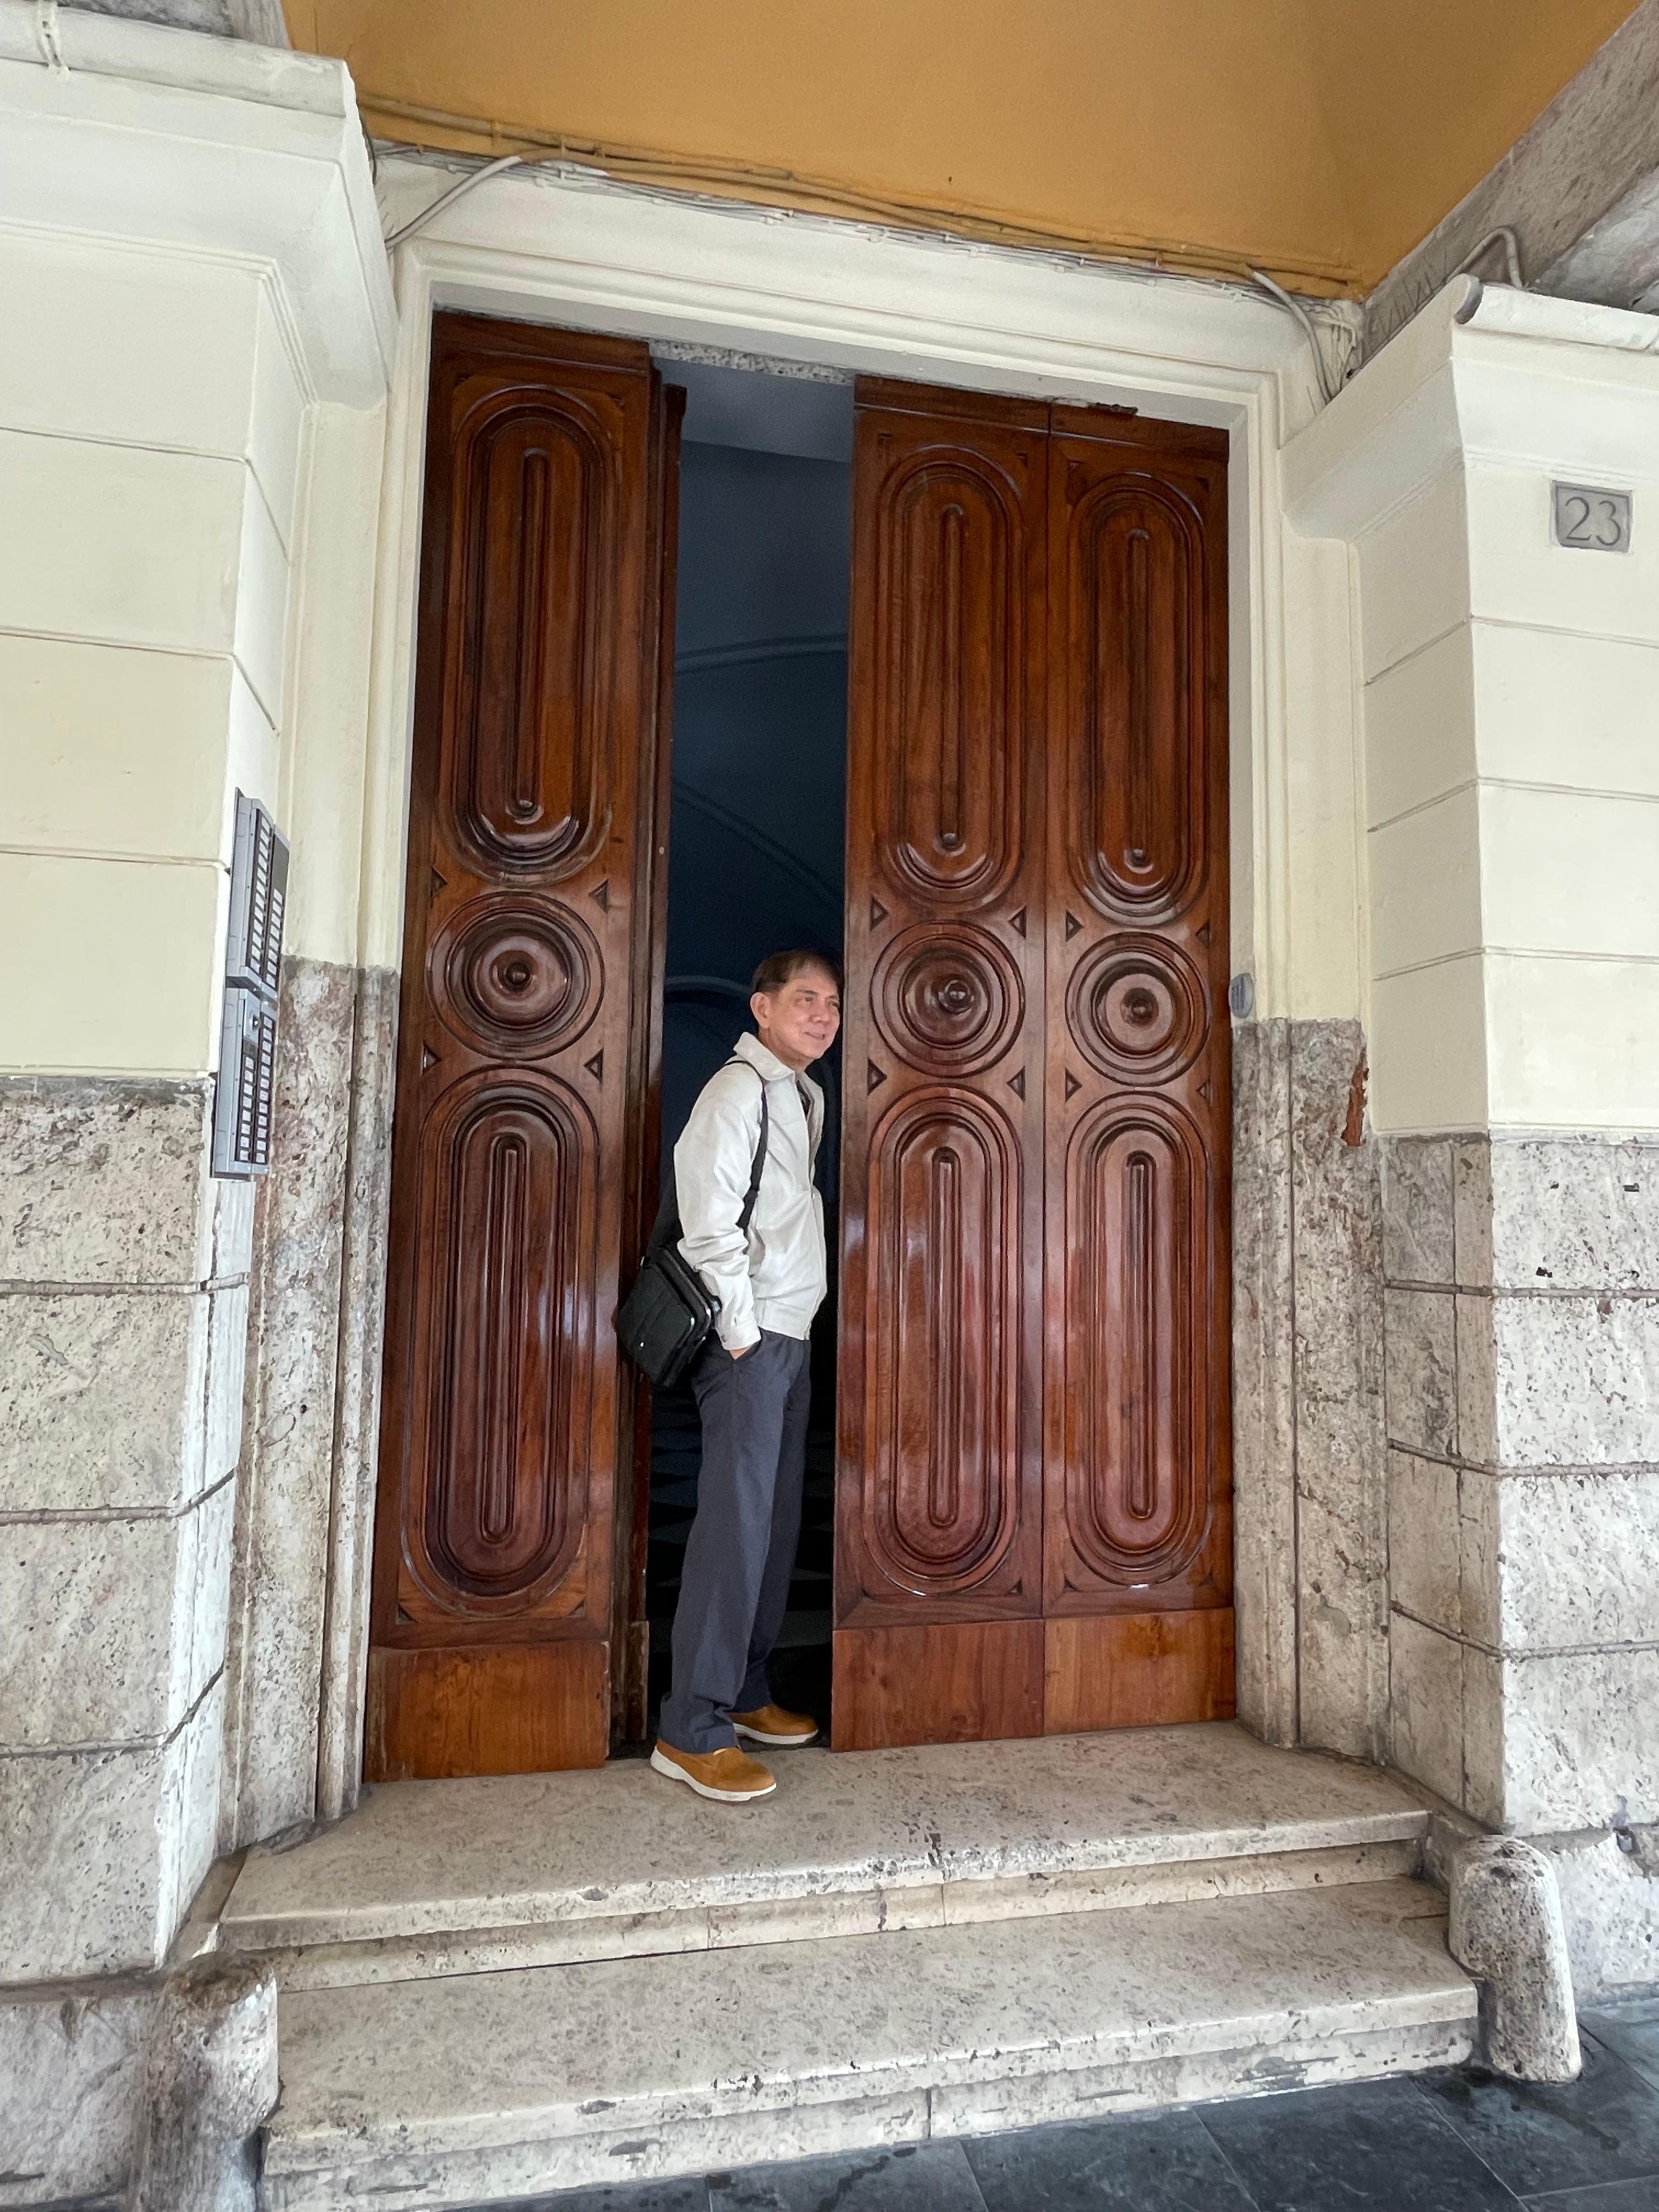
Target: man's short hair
(780,968)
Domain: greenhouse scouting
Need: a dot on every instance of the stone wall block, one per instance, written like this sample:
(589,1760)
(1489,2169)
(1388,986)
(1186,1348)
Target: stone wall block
(130,1835)
(92,1817)
(1609,1885)
(1472,1204)
(1484,1721)
(1577,1380)
(225,1384)
(1422,1372)
(73,2066)
(1425,1541)
(1426,1706)
(1476,1356)
(1581,1741)
(193,1781)
(100,1398)
(233,1225)
(92,1649)
(104,1182)
(1480,1556)
(1342,1541)
(1575,1213)
(1505,1928)
(210,2081)
(210,1607)
(1577,1561)
(1417,1210)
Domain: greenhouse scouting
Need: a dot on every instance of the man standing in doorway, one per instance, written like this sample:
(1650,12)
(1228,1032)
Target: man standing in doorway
(752,1379)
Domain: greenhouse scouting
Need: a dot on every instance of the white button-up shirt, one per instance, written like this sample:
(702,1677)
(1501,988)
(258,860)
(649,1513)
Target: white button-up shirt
(777,1277)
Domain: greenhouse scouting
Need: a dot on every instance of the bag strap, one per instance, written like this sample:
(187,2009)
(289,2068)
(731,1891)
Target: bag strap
(753,1193)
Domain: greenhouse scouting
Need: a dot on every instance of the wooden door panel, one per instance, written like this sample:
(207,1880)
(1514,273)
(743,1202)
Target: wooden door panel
(1037,1183)
(1137,1508)
(518,1156)
(966,1681)
(939,1407)
(1137,1669)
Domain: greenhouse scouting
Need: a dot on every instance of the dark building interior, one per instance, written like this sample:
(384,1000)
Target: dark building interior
(756,853)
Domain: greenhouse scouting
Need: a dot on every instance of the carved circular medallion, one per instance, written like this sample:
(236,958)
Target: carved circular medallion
(1137,1008)
(948,1001)
(515,974)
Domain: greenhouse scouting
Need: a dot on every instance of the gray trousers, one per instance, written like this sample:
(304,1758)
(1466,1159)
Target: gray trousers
(734,1589)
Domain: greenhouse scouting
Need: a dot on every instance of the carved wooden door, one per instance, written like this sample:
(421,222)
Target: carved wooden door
(1033,1525)
(504,1544)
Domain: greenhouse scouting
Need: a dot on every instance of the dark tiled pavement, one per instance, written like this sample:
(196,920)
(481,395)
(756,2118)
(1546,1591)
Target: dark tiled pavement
(1452,2142)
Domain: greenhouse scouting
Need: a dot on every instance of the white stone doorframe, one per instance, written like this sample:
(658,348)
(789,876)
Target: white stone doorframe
(587,256)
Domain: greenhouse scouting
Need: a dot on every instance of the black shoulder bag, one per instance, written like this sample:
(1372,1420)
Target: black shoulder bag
(665,1321)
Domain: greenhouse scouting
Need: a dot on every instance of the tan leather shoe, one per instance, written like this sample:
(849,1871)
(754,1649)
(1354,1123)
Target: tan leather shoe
(771,1724)
(729,1775)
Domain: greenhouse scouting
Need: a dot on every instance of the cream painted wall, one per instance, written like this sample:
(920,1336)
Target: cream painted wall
(150,415)
(1511,789)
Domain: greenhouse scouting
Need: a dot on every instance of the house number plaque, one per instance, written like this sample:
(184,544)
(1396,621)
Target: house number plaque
(1591,519)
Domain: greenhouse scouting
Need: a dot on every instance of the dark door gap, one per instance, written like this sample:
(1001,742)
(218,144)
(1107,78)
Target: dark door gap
(756,860)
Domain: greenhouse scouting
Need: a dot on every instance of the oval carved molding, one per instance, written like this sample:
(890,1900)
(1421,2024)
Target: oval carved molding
(515,975)
(1136,823)
(1139,1251)
(505,1345)
(1137,1008)
(948,1001)
(532,680)
(951,558)
(941,1504)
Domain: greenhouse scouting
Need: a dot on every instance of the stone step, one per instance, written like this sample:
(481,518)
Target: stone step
(484,2088)
(457,1877)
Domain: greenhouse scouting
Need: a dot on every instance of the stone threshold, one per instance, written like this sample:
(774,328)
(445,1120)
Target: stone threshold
(491,1875)
(483,2088)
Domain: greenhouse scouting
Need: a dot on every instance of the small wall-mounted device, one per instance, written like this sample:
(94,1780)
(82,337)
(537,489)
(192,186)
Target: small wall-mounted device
(1240,998)
(253,961)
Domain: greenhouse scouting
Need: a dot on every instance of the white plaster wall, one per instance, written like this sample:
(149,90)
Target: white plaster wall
(144,642)
(1511,780)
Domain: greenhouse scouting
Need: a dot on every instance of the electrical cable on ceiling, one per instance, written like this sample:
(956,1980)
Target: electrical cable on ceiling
(464,184)
(1505,237)
(1329,385)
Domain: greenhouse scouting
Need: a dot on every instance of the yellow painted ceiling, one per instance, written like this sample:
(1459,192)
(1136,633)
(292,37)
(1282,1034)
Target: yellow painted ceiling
(1319,139)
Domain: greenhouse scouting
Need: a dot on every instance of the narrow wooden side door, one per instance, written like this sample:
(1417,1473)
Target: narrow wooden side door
(938,1599)
(524,1056)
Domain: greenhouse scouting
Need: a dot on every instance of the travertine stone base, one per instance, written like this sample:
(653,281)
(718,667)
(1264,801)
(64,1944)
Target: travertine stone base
(1609,1885)
(123,1273)
(1505,1926)
(1307,1436)
(455,1877)
(72,2066)
(209,2081)
(1523,1394)
(486,2088)
(311,1403)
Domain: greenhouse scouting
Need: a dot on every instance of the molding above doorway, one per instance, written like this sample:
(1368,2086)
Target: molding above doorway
(853,299)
